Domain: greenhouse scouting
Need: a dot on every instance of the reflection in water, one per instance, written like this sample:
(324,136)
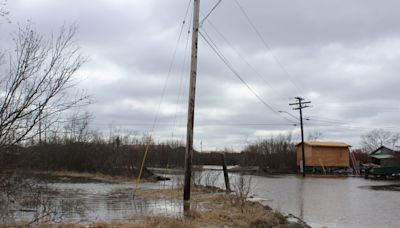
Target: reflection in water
(332,202)
(301,199)
(329,202)
(91,202)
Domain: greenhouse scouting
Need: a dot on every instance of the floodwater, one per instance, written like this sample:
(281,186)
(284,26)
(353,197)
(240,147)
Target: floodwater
(332,202)
(320,201)
(329,202)
(87,203)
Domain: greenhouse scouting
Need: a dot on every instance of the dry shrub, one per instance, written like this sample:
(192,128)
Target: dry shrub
(192,214)
(241,187)
(221,211)
(205,178)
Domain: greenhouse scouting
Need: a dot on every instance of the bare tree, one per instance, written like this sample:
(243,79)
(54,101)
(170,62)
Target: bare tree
(175,143)
(77,127)
(242,187)
(314,135)
(379,137)
(3,11)
(35,85)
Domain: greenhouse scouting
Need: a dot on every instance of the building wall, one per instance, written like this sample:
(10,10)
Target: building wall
(328,156)
(390,162)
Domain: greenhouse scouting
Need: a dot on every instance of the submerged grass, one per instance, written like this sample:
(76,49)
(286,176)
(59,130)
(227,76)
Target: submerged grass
(212,207)
(217,210)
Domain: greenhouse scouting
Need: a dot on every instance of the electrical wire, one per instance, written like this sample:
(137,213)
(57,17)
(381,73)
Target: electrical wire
(184,93)
(212,10)
(268,47)
(162,95)
(181,87)
(214,48)
(200,124)
(257,73)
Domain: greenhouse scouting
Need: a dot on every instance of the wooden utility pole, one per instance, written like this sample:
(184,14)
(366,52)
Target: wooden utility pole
(300,105)
(190,120)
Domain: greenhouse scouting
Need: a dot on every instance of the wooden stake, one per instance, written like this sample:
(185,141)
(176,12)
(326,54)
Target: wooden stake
(226,177)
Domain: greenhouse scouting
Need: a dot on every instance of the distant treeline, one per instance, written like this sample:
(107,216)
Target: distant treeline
(114,158)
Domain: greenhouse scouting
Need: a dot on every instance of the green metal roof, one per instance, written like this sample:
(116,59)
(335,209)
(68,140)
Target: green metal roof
(381,156)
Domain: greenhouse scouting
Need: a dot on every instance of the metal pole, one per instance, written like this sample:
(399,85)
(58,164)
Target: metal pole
(191,103)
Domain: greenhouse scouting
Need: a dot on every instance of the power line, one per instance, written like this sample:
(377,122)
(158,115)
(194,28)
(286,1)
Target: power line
(197,124)
(267,46)
(170,68)
(242,58)
(162,98)
(212,10)
(350,126)
(181,90)
(291,115)
(184,96)
(230,67)
(347,124)
(240,55)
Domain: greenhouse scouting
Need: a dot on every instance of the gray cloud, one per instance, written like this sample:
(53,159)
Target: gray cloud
(342,55)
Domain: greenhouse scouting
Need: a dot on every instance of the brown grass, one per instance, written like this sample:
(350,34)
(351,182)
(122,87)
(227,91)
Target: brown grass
(217,210)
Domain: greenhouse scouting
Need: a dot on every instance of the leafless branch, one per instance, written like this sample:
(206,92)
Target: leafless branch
(36,85)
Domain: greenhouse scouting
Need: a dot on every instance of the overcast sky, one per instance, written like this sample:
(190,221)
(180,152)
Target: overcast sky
(342,55)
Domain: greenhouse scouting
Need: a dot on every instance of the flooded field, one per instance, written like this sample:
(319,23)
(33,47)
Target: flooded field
(321,202)
(79,202)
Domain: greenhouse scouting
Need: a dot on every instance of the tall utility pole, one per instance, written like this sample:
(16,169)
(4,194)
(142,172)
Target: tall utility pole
(300,105)
(190,120)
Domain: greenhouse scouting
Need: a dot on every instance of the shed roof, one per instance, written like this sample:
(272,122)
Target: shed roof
(381,156)
(324,144)
(383,150)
